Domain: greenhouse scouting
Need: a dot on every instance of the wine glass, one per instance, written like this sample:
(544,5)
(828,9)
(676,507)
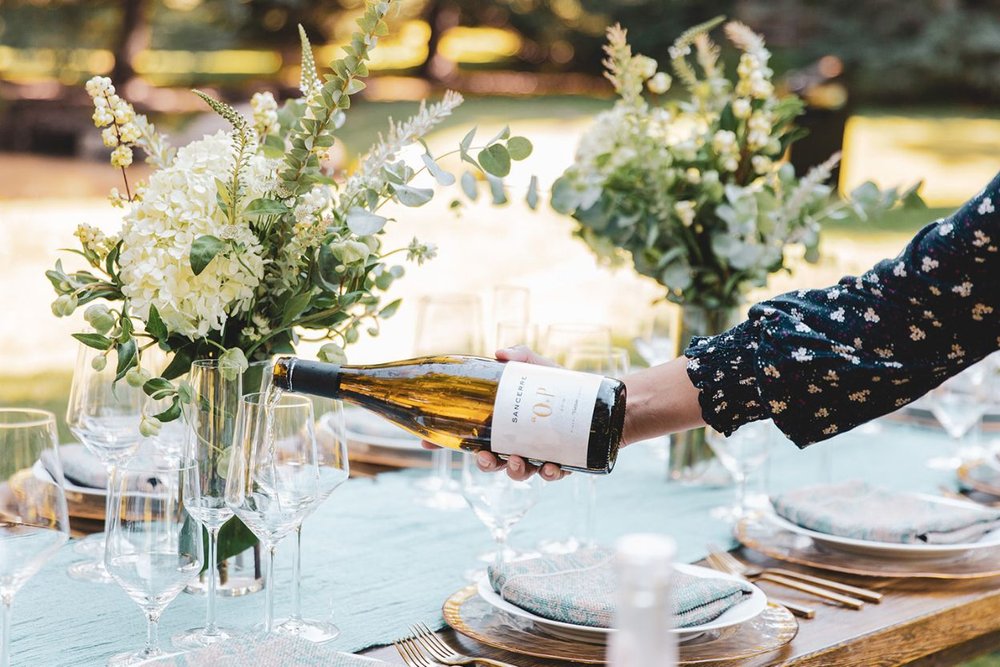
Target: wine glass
(211,417)
(104,415)
(958,404)
(656,336)
(333,466)
(561,339)
(742,453)
(33,520)
(274,479)
(510,304)
(614,363)
(499,502)
(510,334)
(448,323)
(154,549)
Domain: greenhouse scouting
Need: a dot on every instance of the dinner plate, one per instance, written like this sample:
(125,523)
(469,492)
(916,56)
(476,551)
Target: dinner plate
(990,540)
(368,428)
(39,471)
(740,613)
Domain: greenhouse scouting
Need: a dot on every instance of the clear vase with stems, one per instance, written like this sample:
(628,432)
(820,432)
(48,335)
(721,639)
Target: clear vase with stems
(216,391)
(691,458)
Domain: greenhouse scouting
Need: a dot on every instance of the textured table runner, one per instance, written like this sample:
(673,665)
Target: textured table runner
(379,561)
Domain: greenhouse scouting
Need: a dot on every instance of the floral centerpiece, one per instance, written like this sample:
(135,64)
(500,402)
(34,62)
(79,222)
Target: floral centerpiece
(242,240)
(693,188)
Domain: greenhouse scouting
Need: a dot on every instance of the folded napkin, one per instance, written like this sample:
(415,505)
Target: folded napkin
(858,510)
(82,468)
(579,588)
(264,652)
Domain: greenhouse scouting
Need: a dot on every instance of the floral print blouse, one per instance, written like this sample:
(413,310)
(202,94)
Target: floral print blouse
(819,362)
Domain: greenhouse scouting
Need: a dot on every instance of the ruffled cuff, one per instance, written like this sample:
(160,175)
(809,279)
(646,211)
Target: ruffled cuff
(723,368)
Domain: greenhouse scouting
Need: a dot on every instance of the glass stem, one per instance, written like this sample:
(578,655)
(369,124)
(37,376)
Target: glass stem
(296,575)
(5,620)
(269,591)
(110,469)
(500,538)
(152,633)
(442,465)
(741,493)
(211,571)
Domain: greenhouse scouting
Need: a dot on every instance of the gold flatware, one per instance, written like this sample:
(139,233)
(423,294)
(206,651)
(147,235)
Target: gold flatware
(411,654)
(752,571)
(445,654)
(852,603)
(797,609)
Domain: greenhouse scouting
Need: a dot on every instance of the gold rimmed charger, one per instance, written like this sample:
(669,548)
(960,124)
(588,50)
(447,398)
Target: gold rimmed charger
(473,617)
(768,539)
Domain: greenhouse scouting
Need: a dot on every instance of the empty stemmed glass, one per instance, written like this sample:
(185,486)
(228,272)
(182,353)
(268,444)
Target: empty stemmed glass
(742,453)
(614,363)
(655,341)
(958,404)
(274,479)
(499,502)
(33,520)
(211,417)
(153,549)
(104,415)
(561,339)
(333,469)
(446,324)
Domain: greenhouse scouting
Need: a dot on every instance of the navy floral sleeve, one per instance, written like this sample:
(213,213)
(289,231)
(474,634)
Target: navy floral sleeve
(820,362)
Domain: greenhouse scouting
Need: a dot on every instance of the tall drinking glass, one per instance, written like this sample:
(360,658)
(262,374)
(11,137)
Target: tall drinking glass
(216,390)
(655,339)
(499,502)
(33,518)
(154,549)
(274,478)
(510,304)
(614,363)
(742,454)
(104,415)
(446,324)
(561,339)
(959,403)
(334,469)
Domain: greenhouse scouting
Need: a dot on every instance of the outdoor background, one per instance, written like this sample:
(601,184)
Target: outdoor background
(908,89)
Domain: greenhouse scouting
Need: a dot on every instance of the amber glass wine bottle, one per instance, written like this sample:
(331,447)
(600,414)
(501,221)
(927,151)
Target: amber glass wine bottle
(470,403)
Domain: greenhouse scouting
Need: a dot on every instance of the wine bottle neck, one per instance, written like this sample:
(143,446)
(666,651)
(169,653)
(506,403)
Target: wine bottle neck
(308,377)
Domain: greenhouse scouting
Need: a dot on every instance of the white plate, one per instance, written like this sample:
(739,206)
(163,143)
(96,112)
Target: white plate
(740,613)
(39,471)
(368,428)
(990,540)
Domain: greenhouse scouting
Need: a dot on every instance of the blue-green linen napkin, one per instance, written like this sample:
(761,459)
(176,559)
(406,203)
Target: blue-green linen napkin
(579,588)
(264,652)
(861,511)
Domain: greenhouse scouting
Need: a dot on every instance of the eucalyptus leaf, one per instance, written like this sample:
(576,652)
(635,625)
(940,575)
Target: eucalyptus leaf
(495,160)
(96,341)
(532,197)
(154,324)
(519,148)
(440,175)
(470,186)
(262,208)
(364,223)
(467,140)
(411,196)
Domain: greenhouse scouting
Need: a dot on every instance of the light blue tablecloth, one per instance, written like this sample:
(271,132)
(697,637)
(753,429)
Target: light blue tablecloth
(379,561)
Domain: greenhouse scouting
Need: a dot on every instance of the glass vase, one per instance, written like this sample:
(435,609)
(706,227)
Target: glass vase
(691,459)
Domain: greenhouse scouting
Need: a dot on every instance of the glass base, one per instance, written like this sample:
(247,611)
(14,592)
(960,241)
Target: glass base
(311,630)
(135,658)
(709,474)
(729,513)
(440,494)
(92,571)
(198,638)
(91,545)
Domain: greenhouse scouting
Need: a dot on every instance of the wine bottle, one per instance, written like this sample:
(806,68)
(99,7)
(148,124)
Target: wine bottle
(470,403)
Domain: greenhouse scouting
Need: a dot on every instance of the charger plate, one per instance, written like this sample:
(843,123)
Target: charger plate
(473,617)
(765,537)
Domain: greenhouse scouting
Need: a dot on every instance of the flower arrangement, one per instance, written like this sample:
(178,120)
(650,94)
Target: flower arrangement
(243,239)
(695,190)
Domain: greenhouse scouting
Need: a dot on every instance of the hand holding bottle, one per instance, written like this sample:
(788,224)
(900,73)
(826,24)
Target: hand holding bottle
(517,468)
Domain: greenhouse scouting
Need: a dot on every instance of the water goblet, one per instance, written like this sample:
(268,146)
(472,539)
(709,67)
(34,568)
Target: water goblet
(274,479)
(154,549)
(34,523)
(499,502)
(742,453)
(958,404)
(211,417)
(446,323)
(333,467)
(104,415)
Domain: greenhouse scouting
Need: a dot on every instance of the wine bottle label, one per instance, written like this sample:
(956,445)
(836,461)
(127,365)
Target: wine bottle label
(544,413)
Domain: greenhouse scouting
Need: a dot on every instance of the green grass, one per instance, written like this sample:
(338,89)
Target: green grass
(44,391)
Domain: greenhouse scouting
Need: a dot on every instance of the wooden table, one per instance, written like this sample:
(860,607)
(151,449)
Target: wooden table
(919,622)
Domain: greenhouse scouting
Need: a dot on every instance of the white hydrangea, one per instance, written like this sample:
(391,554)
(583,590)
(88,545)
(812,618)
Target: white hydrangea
(178,206)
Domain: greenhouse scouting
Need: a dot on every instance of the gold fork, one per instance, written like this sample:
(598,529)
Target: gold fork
(797,609)
(752,571)
(816,591)
(411,653)
(445,654)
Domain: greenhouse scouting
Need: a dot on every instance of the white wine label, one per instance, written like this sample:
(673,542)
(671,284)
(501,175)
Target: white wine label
(544,413)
